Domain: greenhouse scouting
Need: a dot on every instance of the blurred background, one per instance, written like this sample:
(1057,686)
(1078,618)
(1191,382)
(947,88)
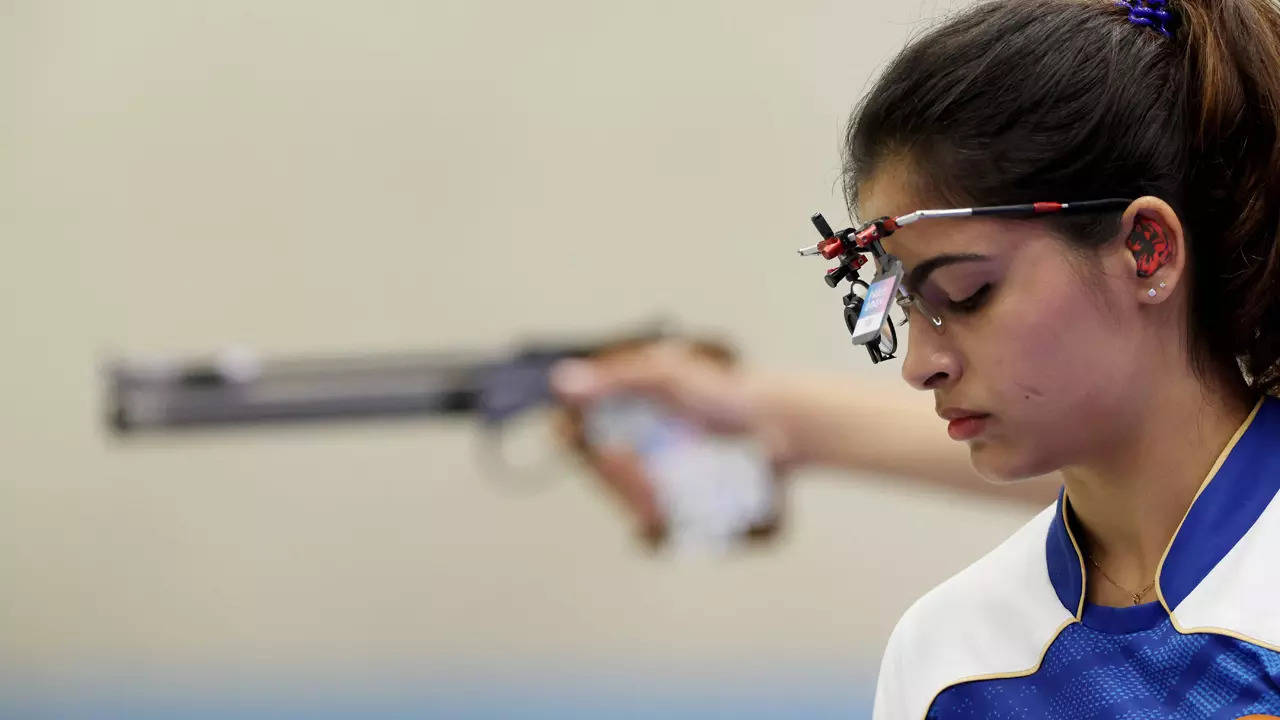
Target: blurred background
(338,177)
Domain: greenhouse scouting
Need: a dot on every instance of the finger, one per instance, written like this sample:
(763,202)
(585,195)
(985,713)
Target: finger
(568,428)
(575,380)
(623,472)
(654,369)
(619,471)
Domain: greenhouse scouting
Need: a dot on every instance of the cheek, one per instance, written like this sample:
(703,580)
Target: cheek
(1049,365)
(1045,348)
(1060,342)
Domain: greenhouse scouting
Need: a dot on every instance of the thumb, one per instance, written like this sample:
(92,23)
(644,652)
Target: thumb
(575,380)
(662,370)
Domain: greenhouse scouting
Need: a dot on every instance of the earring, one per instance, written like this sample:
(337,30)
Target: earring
(1151,292)
(1163,283)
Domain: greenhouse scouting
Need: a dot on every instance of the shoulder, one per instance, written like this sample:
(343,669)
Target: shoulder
(1238,595)
(1220,574)
(992,619)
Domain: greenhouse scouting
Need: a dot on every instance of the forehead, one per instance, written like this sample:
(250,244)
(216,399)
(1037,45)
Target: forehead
(891,192)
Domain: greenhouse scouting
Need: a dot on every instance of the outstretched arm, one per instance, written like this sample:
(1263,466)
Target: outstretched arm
(801,419)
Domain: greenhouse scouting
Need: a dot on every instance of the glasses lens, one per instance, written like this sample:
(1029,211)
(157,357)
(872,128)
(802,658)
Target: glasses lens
(888,341)
(853,305)
(928,314)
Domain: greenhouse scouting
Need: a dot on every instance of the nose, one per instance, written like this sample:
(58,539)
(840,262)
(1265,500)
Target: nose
(931,361)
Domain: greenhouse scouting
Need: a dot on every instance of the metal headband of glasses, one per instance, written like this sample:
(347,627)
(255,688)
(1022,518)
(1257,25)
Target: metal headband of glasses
(867,314)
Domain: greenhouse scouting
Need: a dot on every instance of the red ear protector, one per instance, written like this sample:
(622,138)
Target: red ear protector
(1149,245)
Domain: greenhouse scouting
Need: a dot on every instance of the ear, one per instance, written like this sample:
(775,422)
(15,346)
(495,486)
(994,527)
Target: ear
(1153,249)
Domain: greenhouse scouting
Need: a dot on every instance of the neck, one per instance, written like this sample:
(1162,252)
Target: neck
(1130,499)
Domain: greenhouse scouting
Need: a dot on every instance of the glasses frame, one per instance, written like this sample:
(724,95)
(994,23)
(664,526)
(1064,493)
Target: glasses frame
(853,248)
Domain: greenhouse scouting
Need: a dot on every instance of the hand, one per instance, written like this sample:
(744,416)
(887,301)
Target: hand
(696,380)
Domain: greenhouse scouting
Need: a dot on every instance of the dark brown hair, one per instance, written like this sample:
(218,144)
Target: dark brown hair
(1019,101)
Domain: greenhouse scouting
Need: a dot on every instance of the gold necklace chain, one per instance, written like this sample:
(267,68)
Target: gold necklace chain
(1135,596)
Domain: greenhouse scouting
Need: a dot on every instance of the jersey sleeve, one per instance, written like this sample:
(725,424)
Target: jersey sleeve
(892,693)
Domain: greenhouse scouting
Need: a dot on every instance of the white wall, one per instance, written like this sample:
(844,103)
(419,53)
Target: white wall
(305,177)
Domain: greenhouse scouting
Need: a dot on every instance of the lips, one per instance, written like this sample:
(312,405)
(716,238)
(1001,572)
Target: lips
(964,424)
(967,428)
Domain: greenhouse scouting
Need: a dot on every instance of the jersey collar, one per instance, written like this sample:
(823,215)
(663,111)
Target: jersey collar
(1232,497)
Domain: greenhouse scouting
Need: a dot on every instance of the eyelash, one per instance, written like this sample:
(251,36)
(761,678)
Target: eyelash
(972,303)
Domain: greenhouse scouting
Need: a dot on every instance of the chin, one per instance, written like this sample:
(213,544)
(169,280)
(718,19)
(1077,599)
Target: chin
(999,463)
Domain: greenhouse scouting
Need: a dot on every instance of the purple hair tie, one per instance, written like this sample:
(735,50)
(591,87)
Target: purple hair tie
(1149,13)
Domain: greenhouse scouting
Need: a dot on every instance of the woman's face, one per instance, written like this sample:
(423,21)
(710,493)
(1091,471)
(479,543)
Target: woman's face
(1049,359)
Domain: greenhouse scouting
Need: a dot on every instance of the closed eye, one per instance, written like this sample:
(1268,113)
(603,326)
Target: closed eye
(971,303)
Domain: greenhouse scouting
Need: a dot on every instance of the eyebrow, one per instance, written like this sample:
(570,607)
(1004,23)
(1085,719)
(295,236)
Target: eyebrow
(921,272)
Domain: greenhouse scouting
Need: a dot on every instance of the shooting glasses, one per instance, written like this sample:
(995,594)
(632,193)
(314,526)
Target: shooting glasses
(867,306)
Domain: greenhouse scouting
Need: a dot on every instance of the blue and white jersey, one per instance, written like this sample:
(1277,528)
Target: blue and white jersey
(1012,636)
